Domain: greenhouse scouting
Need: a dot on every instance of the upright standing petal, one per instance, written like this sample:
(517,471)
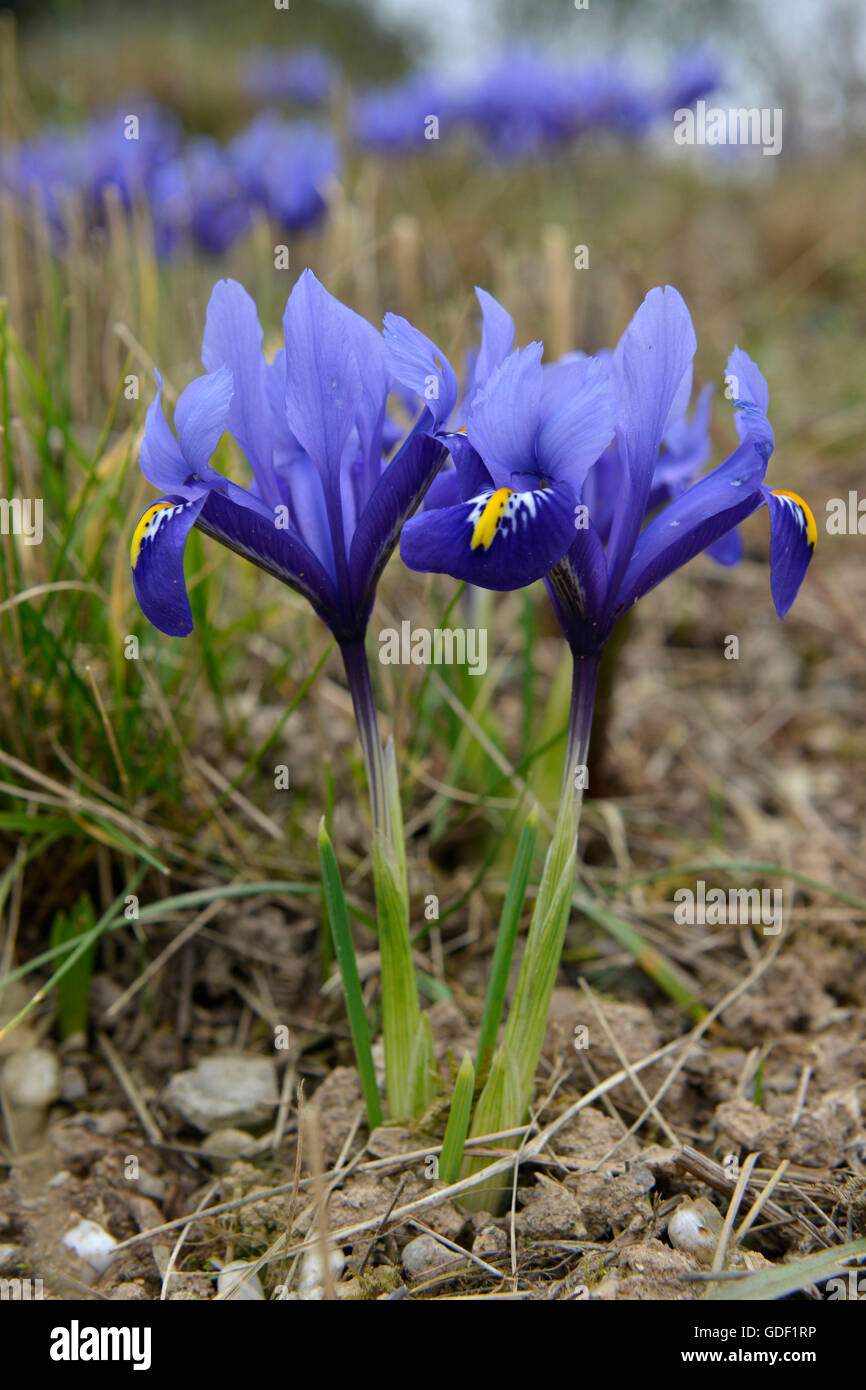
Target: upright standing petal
(497,340)
(576,434)
(504,419)
(751,398)
(200,417)
(648,367)
(323,376)
(161,460)
(416,362)
(233,339)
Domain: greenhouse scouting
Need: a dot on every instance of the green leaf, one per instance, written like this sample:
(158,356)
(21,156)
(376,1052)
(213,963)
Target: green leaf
(73,990)
(338,916)
(500,1106)
(506,938)
(767,1284)
(401,1011)
(459,1116)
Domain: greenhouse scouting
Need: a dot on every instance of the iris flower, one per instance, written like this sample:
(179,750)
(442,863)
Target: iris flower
(394,120)
(199,199)
(285,168)
(562,475)
(323,509)
(322,512)
(303,76)
(535,454)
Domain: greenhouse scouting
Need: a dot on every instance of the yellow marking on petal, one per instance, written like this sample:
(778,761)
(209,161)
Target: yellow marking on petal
(139,532)
(811,528)
(485,529)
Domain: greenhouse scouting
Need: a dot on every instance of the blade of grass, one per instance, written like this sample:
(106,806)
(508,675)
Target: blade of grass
(768,1284)
(506,938)
(77,949)
(168,907)
(345,950)
(451,1158)
(745,866)
(668,978)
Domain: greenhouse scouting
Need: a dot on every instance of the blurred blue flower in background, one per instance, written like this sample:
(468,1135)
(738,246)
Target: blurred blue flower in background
(302,77)
(286,167)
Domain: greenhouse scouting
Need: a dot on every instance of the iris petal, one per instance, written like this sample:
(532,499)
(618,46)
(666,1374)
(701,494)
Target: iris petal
(793,536)
(274,547)
(574,436)
(695,520)
(416,362)
(497,340)
(751,398)
(233,338)
(577,587)
(323,376)
(649,364)
(394,498)
(472,476)
(503,422)
(519,537)
(156,554)
(162,462)
(200,417)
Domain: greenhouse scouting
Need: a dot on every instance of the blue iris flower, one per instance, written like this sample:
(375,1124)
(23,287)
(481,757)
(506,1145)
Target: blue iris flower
(397,118)
(285,168)
(557,471)
(304,76)
(323,509)
(199,199)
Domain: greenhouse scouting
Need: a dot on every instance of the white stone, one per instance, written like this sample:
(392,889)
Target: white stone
(31,1080)
(310,1286)
(425,1255)
(92,1244)
(247,1287)
(232,1091)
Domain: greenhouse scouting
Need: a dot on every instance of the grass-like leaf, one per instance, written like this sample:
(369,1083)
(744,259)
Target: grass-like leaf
(338,917)
(459,1116)
(767,1284)
(506,938)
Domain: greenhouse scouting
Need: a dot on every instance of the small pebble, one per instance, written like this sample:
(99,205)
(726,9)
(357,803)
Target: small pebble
(694,1228)
(31,1080)
(232,1091)
(92,1244)
(310,1286)
(425,1256)
(490,1240)
(247,1287)
(151,1186)
(223,1147)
